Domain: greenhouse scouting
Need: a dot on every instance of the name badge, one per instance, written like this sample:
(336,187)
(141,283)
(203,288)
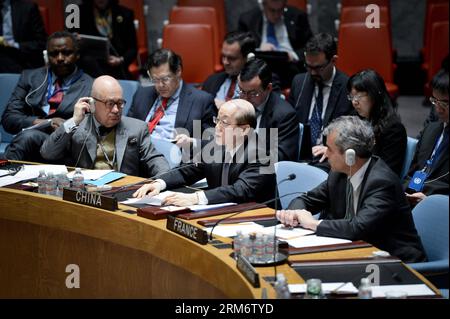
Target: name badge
(417,181)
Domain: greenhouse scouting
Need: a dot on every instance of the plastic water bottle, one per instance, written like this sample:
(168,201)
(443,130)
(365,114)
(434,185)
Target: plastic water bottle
(237,243)
(270,248)
(78,180)
(281,287)
(365,291)
(51,184)
(246,247)
(314,289)
(259,249)
(63,182)
(41,181)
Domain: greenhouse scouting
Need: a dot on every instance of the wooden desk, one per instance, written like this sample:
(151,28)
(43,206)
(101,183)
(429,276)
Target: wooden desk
(120,255)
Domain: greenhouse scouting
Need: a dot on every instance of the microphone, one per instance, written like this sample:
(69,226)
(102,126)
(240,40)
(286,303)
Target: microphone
(275,199)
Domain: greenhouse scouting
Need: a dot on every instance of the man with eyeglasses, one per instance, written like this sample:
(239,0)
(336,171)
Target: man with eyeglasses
(428,173)
(235,169)
(104,139)
(44,98)
(320,94)
(279,27)
(276,119)
(170,104)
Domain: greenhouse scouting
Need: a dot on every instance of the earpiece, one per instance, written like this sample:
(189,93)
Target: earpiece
(45,56)
(92,105)
(350,157)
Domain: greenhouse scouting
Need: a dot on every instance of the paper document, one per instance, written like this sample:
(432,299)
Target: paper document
(327,287)
(314,240)
(31,172)
(154,200)
(197,208)
(229,230)
(287,232)
(4,172)
(411,290)
(91,174)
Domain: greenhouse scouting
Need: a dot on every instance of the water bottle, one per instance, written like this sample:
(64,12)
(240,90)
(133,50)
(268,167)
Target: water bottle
(259,249)
(63,182)
(365,291)
(270,248)
(281,287)
(41,181)
(246,247)
(51,184)
(78,180)
(237,243)
(314,289)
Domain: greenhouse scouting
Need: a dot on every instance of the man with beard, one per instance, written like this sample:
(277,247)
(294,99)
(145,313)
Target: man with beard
(45,96)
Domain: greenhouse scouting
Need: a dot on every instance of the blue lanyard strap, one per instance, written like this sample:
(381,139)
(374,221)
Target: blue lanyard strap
(437,150)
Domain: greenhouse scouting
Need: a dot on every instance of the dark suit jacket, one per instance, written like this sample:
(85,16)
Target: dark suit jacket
(296,22)
(213,83)
(390,145)
(280,114)
(383,216)
(247,177)
(19,114)
(424,149)
(193,105)
(135,154)
(29,32)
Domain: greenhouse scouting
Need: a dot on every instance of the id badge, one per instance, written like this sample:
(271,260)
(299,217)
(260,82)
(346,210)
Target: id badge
(417,181)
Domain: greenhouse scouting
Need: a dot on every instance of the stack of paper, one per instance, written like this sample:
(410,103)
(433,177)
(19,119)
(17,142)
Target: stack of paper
(313,241)
(229,230)
(286,233)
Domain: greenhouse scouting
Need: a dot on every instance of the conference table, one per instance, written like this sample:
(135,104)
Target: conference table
(45,241)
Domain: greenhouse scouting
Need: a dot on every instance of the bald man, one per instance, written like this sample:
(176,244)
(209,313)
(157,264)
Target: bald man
(98,137)
(231,164)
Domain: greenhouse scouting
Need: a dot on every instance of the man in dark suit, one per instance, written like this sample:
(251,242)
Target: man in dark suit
(172,108)
(276,119)
(431,156)
(320,95)
(279,27)
(22,36)
(231,164)
(45,96)
(106,18)
(362,199)
(235,48)
(104,139)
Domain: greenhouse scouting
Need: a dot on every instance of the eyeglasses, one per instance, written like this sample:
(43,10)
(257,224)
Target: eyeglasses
(317,68)
(440,103)
(355,98)
(218,121)
(110,103)
(162,80)
(249,94)
(55,53)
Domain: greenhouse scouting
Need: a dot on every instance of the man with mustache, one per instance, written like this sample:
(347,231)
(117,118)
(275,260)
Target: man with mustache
(43,94)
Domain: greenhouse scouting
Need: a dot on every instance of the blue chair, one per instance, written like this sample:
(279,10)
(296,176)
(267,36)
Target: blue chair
(431,219)
(410,150)
(300,138)
(129,88)
(307,178)
(171,152)
(8,82)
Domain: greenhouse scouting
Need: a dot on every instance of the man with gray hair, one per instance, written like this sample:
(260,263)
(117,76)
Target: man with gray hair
(362,199)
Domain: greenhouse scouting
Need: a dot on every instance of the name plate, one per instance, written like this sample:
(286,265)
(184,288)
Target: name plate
(248,271)
(90,199)
(187,230)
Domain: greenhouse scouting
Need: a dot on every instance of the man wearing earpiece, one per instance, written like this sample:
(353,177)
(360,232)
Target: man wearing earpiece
(362,199)
(45,97)
(104,139)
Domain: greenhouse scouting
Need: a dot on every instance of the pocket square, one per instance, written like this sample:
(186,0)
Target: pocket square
(132,141)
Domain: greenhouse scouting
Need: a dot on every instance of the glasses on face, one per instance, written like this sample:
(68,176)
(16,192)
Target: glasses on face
(218,121)
(317,68)
(440,103)
(111,103)
(355,98)
(164,80)
(249,94)
(55,53)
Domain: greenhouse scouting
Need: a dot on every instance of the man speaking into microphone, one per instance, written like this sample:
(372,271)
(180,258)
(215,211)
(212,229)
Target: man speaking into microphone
(231,164)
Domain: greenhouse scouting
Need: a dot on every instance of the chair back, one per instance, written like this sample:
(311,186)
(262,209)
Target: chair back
(129,88)
(8,82)
(410,150)
(171,152)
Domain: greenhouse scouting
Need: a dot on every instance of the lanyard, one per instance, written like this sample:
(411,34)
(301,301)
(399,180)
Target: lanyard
(64,88)
(436,152)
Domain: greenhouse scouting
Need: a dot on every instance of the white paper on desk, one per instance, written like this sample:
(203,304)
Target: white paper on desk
(411,290)
(314,240)
(31,172)
(4,172)
(153,200)
(229,230)
(8,180)
(286,233)
(197,208)
(91,174)
(327,287)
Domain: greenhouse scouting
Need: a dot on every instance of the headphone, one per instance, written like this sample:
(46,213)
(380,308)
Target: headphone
(350,157)
(91,105)
(45,56)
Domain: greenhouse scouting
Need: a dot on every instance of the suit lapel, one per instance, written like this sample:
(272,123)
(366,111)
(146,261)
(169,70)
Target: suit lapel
(332,100)
(444,155)
(184,106)
(362,193)
(268,112)
(72,94)
(88,128)
(121,143)
(304,105)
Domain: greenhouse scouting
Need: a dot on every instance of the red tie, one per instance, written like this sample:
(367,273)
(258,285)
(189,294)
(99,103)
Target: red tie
(158,115)
(230,92)
(56,98)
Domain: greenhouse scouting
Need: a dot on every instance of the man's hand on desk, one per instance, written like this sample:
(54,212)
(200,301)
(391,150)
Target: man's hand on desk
(298,217)
(152,189)
(181,199)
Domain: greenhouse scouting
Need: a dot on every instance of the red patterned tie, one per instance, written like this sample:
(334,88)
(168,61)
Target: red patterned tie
(158,115)
(230,92)
(56,98)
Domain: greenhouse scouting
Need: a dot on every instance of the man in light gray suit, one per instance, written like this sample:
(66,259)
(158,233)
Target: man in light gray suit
(104,139)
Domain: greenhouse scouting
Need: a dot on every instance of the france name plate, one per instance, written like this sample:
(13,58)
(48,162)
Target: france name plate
(187,230)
